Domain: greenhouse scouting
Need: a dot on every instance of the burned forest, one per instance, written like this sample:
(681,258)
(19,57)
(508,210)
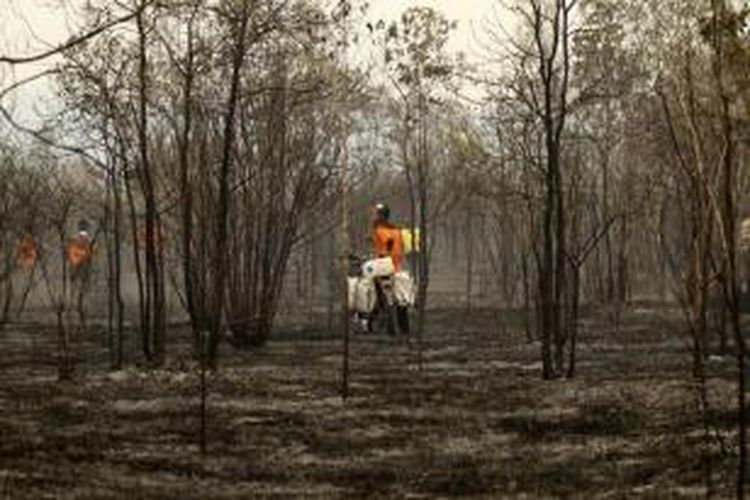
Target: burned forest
(384,249)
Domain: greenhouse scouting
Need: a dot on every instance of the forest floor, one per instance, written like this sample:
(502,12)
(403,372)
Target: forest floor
(476,421)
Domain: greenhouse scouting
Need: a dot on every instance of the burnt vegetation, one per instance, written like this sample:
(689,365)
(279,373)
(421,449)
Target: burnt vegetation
(175,240)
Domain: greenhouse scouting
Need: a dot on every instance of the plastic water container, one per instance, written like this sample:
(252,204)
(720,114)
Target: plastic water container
(404,289)
(376,268)
(362,295)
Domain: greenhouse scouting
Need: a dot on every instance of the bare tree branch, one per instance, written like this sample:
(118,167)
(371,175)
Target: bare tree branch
(77,40)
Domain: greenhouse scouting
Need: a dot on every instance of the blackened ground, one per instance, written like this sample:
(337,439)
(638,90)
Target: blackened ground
(476,421)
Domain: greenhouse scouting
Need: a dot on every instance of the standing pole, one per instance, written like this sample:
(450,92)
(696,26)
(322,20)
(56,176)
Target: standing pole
(204,358)
(346,248)
(345,223)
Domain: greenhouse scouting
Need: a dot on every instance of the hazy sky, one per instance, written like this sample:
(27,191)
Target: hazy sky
(469,14)
(27,26)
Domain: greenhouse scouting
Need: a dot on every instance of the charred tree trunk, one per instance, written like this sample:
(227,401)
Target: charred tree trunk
(728,210)
(574,315)
(155,327)
(553,73)
(222,229)
(117,268)
(469,237)
(186,192)
(138,264)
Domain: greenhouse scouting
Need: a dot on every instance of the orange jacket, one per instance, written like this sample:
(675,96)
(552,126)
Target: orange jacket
(26,253)
(386,241)
(79,251)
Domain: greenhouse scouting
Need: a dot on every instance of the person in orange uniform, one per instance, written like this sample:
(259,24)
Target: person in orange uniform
(80,252)
(386,242)
(386,237)
(26,253)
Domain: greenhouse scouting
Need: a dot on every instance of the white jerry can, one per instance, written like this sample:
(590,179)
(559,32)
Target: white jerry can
(404,289)
(362,294)
(377,268)
(351,282)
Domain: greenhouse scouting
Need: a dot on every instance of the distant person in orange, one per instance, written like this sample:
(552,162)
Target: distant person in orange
(386,237)
(80,251)
(26,253)
(80,256)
